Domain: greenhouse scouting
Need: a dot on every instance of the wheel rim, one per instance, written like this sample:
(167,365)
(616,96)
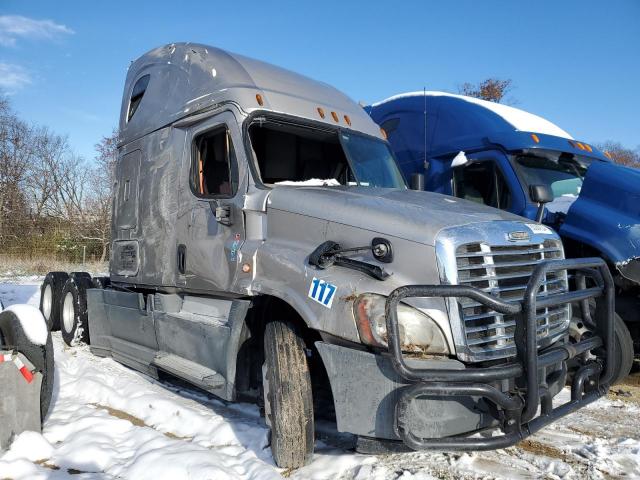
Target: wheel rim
(47,301)
(68,313)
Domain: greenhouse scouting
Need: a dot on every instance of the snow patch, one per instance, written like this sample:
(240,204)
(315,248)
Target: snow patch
(313,182)
(32,322)
(521,120)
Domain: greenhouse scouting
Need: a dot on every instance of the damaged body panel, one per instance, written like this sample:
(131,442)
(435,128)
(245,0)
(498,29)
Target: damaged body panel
(606,216)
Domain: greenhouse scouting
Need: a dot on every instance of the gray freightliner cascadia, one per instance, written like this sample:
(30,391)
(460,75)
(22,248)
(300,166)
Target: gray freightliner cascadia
(265,246)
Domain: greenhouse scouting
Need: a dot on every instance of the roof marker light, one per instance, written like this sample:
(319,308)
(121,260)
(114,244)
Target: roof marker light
(588,147)
(608,155)
(259,99)
(347,119)
(535,138)
(335,116)
(581,146)
(321,112)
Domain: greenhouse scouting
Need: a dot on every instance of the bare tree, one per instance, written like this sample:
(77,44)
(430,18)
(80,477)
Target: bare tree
(16,154)
(46,173)
(621,155)
(491,89)
(103,178)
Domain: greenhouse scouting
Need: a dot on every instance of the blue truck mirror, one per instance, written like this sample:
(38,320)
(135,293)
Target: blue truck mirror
(540,194)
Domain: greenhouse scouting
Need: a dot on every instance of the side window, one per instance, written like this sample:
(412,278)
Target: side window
(213,165)
(482,182)
(136,95)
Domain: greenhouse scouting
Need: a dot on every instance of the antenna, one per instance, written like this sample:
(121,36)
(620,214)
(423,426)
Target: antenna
(424,91)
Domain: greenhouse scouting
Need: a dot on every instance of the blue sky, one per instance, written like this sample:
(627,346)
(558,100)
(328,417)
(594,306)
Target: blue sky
(576,63)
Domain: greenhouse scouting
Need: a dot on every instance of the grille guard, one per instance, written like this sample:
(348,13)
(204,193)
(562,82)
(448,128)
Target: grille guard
(516,412)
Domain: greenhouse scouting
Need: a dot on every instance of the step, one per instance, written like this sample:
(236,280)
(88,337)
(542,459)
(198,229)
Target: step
(192,372)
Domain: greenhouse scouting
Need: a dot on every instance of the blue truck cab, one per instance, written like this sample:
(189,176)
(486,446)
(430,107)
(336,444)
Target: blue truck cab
(500,152)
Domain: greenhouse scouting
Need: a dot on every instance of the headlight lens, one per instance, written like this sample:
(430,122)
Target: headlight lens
(419,333)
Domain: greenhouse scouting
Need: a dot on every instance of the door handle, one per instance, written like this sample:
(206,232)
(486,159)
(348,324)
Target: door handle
(223,215)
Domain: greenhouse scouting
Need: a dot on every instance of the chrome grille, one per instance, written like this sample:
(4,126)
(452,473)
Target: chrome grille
(504,271)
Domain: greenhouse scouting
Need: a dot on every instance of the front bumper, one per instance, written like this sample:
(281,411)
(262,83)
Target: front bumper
(432,407)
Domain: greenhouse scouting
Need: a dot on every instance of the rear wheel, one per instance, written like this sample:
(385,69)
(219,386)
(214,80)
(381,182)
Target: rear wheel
(12,336)
(287,396)
(73,307)
(50,293)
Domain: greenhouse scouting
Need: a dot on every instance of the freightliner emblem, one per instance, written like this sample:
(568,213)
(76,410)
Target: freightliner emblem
(518,236)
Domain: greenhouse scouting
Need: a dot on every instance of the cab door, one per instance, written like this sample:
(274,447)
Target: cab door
(211,224)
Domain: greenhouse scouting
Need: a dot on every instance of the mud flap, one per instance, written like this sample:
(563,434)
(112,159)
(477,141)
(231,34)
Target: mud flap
(19,397)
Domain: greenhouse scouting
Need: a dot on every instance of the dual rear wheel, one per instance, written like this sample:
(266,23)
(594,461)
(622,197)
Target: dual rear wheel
(63,303)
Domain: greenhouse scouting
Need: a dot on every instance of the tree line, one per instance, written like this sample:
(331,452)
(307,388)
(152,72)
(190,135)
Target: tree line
(52,201)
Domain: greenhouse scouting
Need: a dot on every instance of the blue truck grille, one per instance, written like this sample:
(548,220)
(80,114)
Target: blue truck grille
(504,271)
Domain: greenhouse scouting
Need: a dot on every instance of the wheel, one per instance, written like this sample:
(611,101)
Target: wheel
(287,396)
(50,293)
(13,336)
(101,282)
(623,353)
(73,307)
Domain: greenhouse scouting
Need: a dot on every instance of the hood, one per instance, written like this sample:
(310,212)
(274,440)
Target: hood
(412,215)
(606,215)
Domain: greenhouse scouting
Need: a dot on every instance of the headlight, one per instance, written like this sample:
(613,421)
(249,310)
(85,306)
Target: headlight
(419,333)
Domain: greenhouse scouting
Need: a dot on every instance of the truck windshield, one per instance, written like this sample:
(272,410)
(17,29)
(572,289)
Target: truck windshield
(372,162)
(562,173)
(291,154)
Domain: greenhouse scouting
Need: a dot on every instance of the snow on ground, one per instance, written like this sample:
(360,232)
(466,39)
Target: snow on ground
(108,421)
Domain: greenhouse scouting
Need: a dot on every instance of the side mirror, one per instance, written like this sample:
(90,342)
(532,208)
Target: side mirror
(417,181)
(540,194)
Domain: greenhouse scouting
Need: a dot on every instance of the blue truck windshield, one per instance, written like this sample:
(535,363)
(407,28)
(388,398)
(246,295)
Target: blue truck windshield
(563,174)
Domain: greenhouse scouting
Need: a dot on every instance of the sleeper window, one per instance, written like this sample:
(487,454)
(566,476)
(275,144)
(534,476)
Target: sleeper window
(214,160)
(136,95)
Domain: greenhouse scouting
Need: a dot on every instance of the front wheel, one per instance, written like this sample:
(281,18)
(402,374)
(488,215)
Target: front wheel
(623,345)
(287,396)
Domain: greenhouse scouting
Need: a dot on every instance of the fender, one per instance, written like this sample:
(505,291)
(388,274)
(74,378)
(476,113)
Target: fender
(32,322)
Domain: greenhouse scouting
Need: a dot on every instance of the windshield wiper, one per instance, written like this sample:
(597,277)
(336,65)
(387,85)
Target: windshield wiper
(331,253)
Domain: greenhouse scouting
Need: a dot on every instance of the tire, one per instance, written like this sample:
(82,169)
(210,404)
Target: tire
(623,354)
(74,322)
(50,293)
(41,356)
(288,397)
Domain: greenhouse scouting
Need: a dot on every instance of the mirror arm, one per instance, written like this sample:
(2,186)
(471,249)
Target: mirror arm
(540,212)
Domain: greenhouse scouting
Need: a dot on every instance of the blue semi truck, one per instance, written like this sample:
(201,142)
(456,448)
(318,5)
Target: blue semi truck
(513,160)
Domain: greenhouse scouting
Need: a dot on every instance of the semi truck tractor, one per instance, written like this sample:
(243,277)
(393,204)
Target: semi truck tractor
(510,159)
(265,246)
